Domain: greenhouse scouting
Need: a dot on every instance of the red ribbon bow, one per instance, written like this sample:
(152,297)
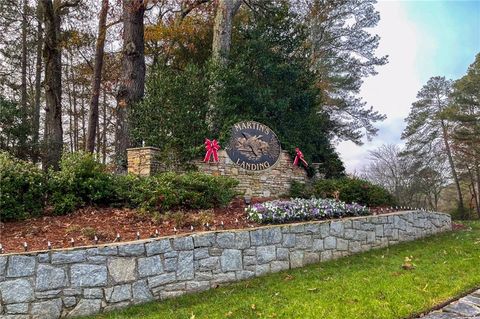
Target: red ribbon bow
(212,147)
(299,156)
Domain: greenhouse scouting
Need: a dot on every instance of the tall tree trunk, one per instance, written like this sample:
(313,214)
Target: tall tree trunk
(22,142)
(477,199)
(99,132)
(97,78)
(70,124)
(73,98)
(132,84)
(23,100)
(38,86)
(98,137)
(53,87)
(222,39)
(22,149)
(71,109)
(82,113)
(461,206)
(105,127)
(222,30)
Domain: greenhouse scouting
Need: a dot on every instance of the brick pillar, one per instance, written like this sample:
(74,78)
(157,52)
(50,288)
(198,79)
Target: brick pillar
(143,161)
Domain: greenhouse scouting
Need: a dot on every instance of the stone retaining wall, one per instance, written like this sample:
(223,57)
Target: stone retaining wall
(88,280)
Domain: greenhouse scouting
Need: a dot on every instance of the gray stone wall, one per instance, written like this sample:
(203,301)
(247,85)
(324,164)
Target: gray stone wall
(272,182)
(84,281)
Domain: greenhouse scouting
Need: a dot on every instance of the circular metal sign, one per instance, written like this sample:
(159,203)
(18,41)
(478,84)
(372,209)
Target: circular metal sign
(253,146)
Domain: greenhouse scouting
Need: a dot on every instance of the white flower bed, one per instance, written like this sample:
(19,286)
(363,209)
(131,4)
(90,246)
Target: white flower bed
(298,209)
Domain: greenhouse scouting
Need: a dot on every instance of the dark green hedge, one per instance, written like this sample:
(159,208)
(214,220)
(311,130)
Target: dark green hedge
(82,181)
(171,190)
(22,189)
(350,190)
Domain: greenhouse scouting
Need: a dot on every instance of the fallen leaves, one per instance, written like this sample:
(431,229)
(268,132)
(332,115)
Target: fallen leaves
(408,264)
(288,278)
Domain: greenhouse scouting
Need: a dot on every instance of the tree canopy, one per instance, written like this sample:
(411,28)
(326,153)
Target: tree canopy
(170,73)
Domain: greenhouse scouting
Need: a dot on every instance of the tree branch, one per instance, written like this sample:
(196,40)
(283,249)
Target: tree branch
(68,4)
(111,24)
(185,11)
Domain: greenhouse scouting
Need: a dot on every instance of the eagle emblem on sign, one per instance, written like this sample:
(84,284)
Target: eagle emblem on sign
(253,146)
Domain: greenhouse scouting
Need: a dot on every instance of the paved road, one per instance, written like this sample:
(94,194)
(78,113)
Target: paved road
(466,307)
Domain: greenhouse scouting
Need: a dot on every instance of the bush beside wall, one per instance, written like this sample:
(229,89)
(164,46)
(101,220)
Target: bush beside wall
(82,181)
(350,190)
(165,191)
(22,188)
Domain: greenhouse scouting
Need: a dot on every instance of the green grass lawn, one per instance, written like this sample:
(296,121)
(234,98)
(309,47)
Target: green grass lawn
(367,285)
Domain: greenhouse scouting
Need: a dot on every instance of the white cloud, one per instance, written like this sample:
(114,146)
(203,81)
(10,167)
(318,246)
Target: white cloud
(394,89)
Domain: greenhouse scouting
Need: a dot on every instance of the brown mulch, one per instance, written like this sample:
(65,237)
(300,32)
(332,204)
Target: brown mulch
(106,222)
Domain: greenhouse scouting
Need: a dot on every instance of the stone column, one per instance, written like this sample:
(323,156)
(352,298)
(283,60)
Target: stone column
(143,161)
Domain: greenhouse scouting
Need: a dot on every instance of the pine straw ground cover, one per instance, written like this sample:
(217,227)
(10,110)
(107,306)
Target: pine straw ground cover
(368,285)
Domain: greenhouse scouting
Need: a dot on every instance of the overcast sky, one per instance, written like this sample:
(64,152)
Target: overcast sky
(423,39)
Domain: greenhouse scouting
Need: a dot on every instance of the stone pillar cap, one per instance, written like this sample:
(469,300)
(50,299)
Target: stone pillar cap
(143,148)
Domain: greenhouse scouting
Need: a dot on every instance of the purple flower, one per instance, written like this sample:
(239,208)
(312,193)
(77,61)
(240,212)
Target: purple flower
(302,209)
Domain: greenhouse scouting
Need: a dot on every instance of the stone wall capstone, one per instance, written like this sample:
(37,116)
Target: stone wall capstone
(89,280)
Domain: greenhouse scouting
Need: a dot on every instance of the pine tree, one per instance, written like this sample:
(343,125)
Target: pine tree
(428,134)
(465,116)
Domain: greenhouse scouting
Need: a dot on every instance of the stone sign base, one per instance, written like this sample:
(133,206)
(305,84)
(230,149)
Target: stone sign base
(272,182)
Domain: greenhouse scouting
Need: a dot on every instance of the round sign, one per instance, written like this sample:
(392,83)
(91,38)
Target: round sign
(253,146)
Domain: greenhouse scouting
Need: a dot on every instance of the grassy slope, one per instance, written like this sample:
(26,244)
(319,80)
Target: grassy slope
(368,285)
